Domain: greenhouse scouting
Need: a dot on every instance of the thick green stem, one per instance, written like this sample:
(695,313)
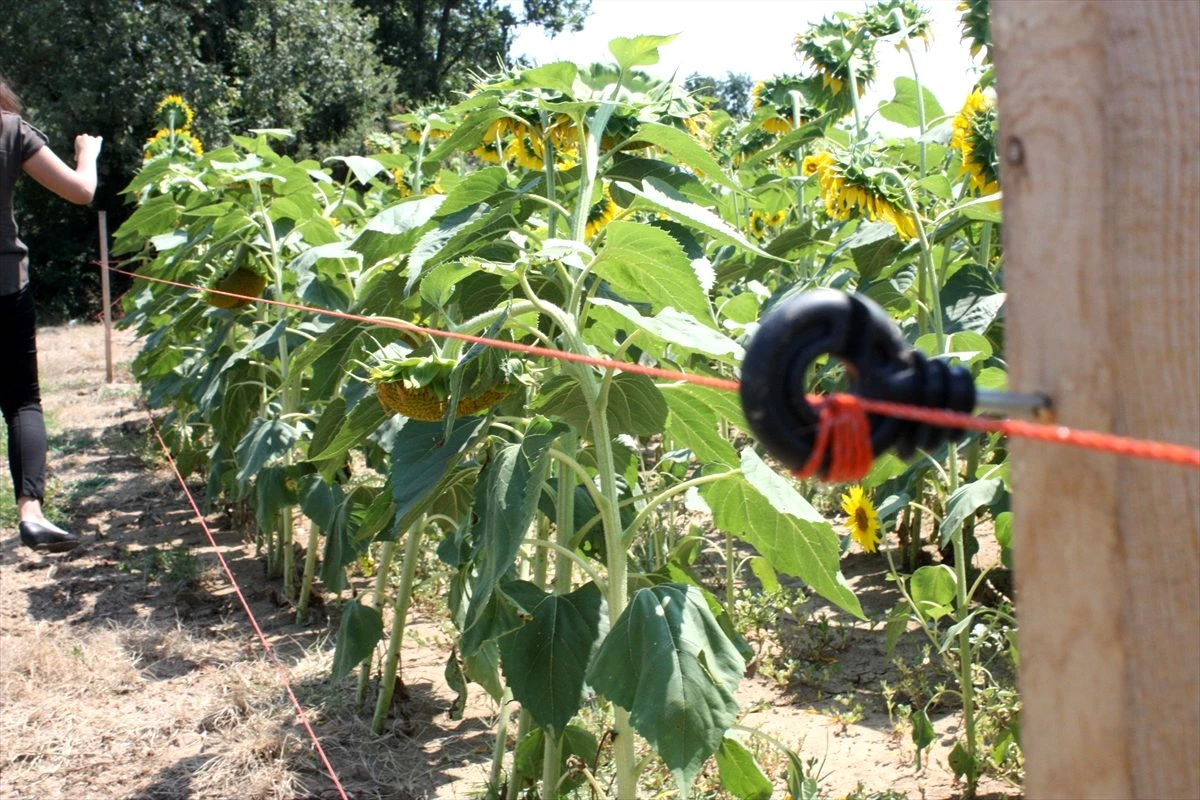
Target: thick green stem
(564,531)
(412,551)
(501,745)
(551,765)
(966,658)
(920,104)
(310,570)
(381,572)
(914,539)
(548,159)
(524,723)
(929,286)
(671,491)
(289,554)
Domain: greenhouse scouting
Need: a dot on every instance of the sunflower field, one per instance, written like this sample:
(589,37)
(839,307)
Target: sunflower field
(595,211)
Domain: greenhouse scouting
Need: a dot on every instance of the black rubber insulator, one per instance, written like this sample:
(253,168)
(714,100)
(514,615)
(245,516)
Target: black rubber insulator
(882,366)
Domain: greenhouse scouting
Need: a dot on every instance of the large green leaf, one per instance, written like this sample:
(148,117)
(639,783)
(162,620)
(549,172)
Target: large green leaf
(421,458)
(505,503)
(660,196)
(741,775)
(668,663)
(685,149)
(635,405)
(932,587)
(634,170)
(694,418)
(559,76)
(639,51)
(364,419)
(968,499)
(268,440)
(903,108)
(681,330)
(546,659)
(437,244)
(647,265)
(576,742)
(394,230)
(971,300)
(477,187)
(360,630)
(764,509)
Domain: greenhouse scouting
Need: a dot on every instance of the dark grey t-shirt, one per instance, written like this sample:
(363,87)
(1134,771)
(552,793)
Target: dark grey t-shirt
(18,141)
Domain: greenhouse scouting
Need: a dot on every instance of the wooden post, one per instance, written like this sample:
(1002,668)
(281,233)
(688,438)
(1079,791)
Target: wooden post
(105,297)
(1099,104)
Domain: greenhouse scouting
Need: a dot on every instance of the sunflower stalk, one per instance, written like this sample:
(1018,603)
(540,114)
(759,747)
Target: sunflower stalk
(382,568)
(310,570)
(387,686)
(290,399)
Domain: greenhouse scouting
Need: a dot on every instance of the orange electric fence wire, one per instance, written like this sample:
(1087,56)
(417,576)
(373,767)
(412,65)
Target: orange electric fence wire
(839,426)
(283,675)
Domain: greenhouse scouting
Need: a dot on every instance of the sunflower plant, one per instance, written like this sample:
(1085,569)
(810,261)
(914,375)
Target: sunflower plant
(603,213)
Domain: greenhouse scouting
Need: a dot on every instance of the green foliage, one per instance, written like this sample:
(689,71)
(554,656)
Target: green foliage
(539,211)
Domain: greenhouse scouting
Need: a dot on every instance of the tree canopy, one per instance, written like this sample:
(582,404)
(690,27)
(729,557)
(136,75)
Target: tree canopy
(329,70)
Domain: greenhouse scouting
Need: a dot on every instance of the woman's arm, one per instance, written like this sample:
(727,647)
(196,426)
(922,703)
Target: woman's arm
(77,185)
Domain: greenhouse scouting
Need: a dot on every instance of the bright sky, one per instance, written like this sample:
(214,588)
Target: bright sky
(752,36)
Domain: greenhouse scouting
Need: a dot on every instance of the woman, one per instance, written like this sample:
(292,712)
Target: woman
(23,148)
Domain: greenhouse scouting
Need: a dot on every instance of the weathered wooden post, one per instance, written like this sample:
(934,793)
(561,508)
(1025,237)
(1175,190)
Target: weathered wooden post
(1100,168)
(106,297)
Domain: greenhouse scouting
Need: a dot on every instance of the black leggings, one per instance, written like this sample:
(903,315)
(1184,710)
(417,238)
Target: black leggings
(20,399)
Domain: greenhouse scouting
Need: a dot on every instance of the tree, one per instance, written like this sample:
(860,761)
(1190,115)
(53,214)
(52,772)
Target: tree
(731,93)
(102,66)
(435,45)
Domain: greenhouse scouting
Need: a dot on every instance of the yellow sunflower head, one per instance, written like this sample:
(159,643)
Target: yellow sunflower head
(849,191)
(977,27)
(173,112)
(173,144)
(600,214)
(975,139)
(862,519)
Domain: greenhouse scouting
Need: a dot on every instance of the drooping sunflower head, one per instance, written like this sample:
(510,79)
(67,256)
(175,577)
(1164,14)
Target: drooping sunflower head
(977,27)
(420,387)
(177,144)
(850,188)
(600,214)
(491,147)
(831,50)
(862,519)
(526,149)
(889,17)
(777,100)
(173,112)
(975,139)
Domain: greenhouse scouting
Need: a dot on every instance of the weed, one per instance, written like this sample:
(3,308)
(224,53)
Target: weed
(171,565)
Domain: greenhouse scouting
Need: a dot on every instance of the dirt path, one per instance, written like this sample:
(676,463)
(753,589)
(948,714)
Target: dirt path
(129,670)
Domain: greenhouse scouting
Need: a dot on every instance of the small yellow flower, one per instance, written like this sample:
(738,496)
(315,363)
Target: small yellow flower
(173,112)
(863,520)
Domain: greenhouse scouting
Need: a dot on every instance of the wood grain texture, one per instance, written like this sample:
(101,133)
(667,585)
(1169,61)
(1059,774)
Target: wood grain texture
(1100,150)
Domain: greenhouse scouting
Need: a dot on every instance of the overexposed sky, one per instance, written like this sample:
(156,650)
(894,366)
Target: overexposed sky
(752,36)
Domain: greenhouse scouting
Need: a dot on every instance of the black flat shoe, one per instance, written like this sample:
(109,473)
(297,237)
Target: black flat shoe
(47,537)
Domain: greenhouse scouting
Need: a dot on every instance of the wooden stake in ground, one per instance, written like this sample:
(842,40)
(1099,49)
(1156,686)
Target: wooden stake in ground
(1099,109)
(105,297)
